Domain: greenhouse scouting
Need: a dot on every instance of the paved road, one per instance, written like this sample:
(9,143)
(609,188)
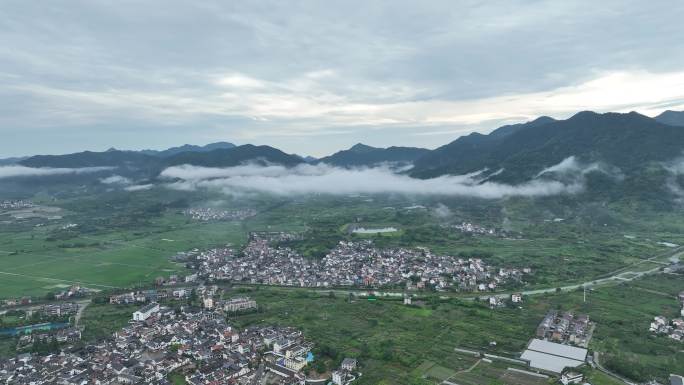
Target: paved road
(620,275)
(259,373)
(82,305)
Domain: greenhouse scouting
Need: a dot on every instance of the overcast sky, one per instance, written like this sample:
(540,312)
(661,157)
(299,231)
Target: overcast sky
(314,77)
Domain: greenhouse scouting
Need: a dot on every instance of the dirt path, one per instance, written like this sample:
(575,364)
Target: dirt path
(82,305)
(448,380)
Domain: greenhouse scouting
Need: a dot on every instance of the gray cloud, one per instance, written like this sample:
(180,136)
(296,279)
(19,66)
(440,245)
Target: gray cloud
(675,168)
(93,73)
(324,179)
(21,171)
(442,211)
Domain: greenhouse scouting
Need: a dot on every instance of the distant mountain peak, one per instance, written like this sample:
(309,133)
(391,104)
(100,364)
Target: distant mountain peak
(189,148)
(591,136)
(584,115)
(543,120)
(364,155)
(671,118)
(360,147)
(592,116)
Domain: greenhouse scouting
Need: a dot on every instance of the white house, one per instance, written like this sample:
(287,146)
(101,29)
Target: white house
(338,377)
(146,312)
(349,364)
(295,363)
(516,297)
(571,378)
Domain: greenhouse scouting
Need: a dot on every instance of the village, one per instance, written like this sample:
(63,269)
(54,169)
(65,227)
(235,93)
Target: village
(477,229)
(350,263)
(211,214)
(674,328)
(15,204)
(199,345)
(472,228)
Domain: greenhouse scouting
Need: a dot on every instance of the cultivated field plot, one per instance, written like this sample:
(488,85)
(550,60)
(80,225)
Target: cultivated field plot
(32,265)
(394,341)
(485,373)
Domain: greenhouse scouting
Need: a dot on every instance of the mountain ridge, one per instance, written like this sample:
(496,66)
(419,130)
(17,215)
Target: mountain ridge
(363,155)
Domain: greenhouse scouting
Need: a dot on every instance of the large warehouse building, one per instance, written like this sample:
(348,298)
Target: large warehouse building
(553,357)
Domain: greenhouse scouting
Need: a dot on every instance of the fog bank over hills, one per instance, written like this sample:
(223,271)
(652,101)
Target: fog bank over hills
(588,152)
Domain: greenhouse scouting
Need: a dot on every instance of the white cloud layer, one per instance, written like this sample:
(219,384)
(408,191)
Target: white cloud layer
(22,171)
(324,179)
(139,187)
(569,166)
(116,180)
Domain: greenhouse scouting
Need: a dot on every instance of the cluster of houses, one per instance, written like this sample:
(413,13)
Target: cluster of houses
(73,291)
(15,204)
(472,228)
(18,301)
(59,309)
(565,328)
(201,346)
(69,334)
(476,229)
(356,263)
(499,301)
(175,279)
(346,373)
(152,295)
(233,305)
(274,236)
(211,214)
(672,328)
(155,295)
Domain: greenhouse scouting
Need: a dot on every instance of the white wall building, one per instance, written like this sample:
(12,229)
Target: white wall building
(146,312)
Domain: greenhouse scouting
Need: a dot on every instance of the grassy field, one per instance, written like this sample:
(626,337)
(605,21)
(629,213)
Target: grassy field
(100,321)
(393,340)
